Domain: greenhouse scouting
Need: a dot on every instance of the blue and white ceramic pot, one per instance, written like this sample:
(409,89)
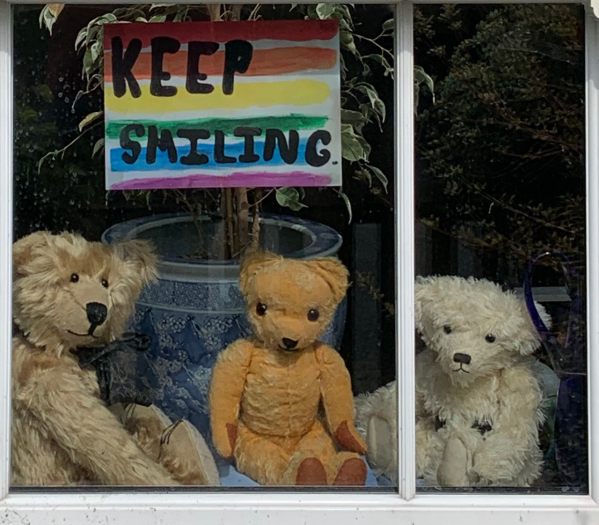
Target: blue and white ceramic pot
(195,309)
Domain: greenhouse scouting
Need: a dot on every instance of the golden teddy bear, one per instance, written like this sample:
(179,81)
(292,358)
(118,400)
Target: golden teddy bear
(68,293)
(281,402)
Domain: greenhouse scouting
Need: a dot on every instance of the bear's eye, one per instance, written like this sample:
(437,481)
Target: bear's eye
(313,314)
(104,283)
(74,278)
(261,309)
(447,328)
(490,338)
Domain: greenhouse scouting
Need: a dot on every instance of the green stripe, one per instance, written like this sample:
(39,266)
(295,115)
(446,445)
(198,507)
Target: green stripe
(225,125)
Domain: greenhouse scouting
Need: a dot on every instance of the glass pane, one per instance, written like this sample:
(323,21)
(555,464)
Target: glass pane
(210,381)
(500,255)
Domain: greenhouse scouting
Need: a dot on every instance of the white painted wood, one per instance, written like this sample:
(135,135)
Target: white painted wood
(268,508)
(6,170)
(592,238)
(264,507)
(404,245)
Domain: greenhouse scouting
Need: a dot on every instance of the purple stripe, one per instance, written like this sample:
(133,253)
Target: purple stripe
(235,180)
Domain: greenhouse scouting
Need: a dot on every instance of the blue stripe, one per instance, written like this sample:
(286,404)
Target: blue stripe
(232,150)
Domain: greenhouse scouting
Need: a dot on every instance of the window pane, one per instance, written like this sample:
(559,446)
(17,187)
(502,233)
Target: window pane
(501,368)
(104,398)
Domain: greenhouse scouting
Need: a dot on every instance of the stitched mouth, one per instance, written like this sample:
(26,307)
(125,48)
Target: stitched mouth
(288,350)
(82,335)
(461,369)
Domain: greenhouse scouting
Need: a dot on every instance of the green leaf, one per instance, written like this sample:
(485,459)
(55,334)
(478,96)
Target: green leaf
(96,50)
(289,198)
(375,101)
(49,14)
(347,205)
(325,11)
(421,77)
(346,39)
(81,37)
(87,62)
(381,177)
(363,174)
(379,59)
(88,119)
(389,25)
(98,146)
(355,118)
(353,147)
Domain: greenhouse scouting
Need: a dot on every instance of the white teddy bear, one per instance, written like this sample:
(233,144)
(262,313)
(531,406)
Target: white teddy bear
(376,420)
(478,402)
(479,392)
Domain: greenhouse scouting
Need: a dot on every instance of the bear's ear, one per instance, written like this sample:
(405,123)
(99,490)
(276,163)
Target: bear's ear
(141,253)
(527,339)
(334,273)
(422,288)
(22,250)
(251,262)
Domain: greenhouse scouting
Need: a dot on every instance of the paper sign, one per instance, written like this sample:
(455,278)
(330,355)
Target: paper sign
(222,104)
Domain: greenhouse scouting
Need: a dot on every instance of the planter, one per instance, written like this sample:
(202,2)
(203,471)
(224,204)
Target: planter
(196,309)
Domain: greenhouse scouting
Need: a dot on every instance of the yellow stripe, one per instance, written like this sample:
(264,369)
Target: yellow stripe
(292,93)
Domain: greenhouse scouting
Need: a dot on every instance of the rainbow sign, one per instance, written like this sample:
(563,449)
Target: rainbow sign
(222,104)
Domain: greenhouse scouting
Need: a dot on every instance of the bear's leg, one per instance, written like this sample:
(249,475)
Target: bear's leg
(342,468)
(145,424)
(312,459)
(351,470)
(430,445)
(260,458)
(452,471)
(178,446)
(186,455)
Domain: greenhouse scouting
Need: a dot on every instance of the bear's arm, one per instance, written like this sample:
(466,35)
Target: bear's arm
(226,389)
(337,399)
(81,424)
(514,439)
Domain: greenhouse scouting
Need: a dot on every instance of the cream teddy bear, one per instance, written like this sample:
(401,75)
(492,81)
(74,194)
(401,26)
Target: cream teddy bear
(69,293)
(478,402)
(267,391)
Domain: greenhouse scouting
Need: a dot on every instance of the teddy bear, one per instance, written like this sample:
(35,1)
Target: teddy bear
(68,294)
(478,402)
(376,421)
(281,402)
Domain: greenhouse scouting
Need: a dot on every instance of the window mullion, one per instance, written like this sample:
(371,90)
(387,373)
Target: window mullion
(404,216)
(592,192)
(6,148)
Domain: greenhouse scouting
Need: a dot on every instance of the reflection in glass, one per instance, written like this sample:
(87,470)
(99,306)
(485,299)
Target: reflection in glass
(500,181)
(149,379)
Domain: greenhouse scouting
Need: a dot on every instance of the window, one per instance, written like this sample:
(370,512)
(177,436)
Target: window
(410,500)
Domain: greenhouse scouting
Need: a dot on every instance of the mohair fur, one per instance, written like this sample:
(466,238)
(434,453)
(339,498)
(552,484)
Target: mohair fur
(286,416)
(62,432)
(376,420)
(498,387)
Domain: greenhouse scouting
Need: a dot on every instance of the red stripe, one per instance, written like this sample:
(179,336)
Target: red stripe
(277,61)
(290,30)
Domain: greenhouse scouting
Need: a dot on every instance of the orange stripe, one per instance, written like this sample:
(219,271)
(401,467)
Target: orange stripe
(264,62)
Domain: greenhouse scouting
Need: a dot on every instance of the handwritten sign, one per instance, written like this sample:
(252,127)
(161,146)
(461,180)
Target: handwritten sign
(222,104)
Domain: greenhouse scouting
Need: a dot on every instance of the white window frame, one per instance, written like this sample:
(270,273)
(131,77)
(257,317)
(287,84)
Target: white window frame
(147,507)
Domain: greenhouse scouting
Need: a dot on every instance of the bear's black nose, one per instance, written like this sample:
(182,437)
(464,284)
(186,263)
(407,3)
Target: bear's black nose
(290,344)
(96,313)
(462,358)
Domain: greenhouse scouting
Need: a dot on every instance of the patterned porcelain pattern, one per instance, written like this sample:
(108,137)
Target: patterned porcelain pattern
(189,323)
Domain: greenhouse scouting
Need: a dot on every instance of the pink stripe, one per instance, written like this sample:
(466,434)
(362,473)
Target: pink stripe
(235,180)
